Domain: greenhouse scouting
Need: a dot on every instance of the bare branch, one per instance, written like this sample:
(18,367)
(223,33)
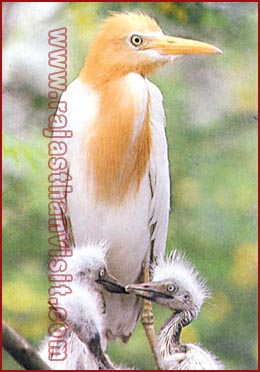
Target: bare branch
(21,350)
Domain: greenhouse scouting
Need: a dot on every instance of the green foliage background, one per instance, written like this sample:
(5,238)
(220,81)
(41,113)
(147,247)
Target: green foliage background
(211,109)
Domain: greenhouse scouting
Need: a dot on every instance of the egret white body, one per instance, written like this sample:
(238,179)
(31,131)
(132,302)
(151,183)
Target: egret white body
(127,227)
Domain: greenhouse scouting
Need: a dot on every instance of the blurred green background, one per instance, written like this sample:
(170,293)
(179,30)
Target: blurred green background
(211,109)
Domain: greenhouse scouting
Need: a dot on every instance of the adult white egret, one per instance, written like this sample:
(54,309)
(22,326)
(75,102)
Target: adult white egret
(117,156)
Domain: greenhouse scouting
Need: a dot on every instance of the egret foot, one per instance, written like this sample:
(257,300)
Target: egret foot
(147,318)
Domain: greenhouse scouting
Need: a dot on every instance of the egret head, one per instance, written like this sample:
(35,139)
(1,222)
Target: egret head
(176,285)
(88,265)
(133,42)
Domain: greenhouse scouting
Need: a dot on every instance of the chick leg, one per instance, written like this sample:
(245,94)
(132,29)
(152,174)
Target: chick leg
(147,318)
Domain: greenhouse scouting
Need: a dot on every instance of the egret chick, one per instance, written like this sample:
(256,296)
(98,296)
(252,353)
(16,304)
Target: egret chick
(177,286)
(83,312)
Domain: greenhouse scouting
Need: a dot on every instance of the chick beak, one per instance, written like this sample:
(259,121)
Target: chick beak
(171,46)
(111,284)
(147,290)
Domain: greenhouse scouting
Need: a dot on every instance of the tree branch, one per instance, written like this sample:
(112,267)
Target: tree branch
(21,350)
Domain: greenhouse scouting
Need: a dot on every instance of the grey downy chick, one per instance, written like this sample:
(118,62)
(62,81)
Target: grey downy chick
(177,285)
(84,314)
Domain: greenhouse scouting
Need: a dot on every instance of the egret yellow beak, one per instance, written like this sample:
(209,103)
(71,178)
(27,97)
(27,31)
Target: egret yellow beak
(169,45)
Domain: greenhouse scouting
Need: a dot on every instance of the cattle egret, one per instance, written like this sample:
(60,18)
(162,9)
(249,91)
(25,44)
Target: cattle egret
(178,286)
(118,154)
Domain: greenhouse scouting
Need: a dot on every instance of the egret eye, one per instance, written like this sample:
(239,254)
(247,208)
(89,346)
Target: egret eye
(171,288)
(136,40)
(102,272)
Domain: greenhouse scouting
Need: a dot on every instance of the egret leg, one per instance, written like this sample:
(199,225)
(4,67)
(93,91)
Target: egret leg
(147,318)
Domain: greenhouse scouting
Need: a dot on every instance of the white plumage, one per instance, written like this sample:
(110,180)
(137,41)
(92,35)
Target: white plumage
(83,341)
(178,269)
(128,227)
(117,156)
(178,286)
(83,308)
(195,358)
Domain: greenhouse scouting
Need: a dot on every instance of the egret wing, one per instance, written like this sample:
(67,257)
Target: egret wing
(159,174)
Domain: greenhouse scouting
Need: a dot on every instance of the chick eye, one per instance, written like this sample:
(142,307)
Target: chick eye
(102,272)
(136,40)
(81,274)
(171,288)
